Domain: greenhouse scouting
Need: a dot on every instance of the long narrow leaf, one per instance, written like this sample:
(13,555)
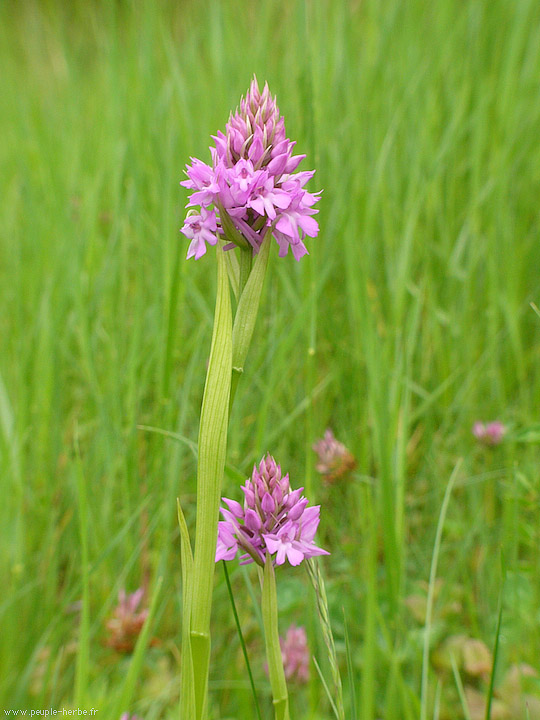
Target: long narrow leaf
(495,657)
(187,697)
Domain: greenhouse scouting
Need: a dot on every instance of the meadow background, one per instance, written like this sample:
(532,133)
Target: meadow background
(413,316)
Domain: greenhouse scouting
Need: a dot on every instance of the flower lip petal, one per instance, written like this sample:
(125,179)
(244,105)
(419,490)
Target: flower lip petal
(272,542)
(281,554)
(295,553)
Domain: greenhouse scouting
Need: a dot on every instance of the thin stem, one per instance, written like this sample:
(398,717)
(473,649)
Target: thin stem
(241,637)
(431,587)
(273,648)
(495,655)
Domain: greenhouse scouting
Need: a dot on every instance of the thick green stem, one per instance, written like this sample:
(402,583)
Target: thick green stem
(211,462)
(273,649)
(229,348)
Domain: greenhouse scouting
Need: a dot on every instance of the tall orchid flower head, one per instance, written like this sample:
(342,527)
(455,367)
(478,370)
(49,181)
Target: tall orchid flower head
(273,521)
(251,186)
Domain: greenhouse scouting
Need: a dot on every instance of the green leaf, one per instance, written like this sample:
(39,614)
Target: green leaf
(200,655)
(233,271)
(248,307)
(246,313)
(187,694)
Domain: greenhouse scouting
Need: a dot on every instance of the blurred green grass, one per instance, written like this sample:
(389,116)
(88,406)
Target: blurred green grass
(410,319)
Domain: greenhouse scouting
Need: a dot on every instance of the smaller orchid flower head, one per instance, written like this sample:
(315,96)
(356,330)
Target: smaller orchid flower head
(127,621)
(491,433)
(335,460)
(128,716)
(295,653)
(273,521)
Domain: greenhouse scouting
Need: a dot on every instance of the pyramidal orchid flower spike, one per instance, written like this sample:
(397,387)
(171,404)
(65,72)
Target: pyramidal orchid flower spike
(274,521)
(251,186)
(250,192)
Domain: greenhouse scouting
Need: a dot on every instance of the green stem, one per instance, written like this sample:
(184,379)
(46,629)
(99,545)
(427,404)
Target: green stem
(241,637)
(229,349)
(273,649)
(211,462)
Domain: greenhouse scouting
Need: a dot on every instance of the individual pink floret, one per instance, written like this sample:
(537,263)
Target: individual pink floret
(200,229)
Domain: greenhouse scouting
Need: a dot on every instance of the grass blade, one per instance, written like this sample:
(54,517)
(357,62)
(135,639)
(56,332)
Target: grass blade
(315,575)
(495,656)
(327,690)
(350,670)
(431,590)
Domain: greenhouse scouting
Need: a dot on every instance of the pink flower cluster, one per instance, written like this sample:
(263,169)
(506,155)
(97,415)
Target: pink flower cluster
(251,183)
(127,621)
(274,520)
(489,433)
(335,460)
(295,654)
